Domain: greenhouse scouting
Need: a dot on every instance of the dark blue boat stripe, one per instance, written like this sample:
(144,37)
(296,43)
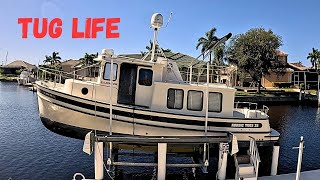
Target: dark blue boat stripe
(143,116)
(149,110)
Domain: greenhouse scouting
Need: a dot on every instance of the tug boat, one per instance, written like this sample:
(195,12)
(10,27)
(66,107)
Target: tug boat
(147,97)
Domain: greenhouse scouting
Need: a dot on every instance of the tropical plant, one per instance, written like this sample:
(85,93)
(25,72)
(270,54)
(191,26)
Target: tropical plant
(157,48)
(254,52)
(54,60)
(219,55)
(314,57)
(207,42)
(88,59)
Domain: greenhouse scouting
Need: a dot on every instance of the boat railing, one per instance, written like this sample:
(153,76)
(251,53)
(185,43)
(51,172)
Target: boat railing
(58,76)
(248,105)
(250,109)
(254,155)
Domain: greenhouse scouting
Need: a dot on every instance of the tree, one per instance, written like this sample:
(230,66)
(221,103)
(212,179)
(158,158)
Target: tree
(219,55)
(254,52)
(54,60)
(157,49)
(88,59)
(206,42)
(314,57)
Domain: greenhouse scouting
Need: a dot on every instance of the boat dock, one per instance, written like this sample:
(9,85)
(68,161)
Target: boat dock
(306,175)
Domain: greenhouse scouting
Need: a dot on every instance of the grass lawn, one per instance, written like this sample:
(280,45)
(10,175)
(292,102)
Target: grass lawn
(243,93)
(6,78)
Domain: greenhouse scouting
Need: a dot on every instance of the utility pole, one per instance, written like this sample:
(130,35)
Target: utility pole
(6,57)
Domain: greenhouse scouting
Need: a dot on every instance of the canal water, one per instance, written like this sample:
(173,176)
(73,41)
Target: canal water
(29,151)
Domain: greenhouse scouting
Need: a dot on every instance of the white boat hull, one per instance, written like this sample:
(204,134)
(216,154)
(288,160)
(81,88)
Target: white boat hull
(77,114)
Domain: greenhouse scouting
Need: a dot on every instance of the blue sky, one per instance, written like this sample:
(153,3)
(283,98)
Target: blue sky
(297,22)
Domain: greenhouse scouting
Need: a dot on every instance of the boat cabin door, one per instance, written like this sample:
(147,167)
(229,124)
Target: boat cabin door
(144,85)
(127,84)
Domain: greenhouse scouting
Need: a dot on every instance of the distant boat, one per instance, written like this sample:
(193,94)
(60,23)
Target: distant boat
(25,79)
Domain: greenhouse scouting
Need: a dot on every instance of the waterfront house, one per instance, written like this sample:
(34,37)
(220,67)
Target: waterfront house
(283,79)
(68,65)
(303,75)
(295,75)
(14,67)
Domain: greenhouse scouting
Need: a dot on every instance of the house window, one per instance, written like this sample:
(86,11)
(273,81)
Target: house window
(107,69)
(215,102)
(175,99)
(195,100)
(145,77)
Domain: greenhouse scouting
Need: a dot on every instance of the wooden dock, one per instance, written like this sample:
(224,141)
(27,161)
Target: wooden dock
(306,175)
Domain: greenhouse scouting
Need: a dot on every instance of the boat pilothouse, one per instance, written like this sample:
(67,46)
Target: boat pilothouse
(147,97)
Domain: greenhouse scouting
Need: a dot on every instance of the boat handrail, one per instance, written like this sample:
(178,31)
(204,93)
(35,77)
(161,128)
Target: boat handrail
(237,175)
(254,155)
(71,73)
(59,73)
(265,109)
(236,104)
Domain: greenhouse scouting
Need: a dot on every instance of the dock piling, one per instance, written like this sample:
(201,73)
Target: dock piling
(275,158)
(162,160)
(98,161)
(300,158)
(223,157)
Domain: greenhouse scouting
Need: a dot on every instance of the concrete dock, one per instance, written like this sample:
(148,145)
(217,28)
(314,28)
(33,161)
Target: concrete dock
(306,175)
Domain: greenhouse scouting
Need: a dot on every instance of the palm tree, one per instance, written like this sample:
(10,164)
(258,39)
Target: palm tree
(54,60)
(207,41)
(314,57)
(88,59)
(219,55)
(157,49)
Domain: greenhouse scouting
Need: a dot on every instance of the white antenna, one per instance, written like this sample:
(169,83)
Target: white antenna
(156,24)
(169,19)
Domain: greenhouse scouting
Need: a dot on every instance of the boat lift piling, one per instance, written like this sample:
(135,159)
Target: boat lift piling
(275,159)
(223,158)
(162,145)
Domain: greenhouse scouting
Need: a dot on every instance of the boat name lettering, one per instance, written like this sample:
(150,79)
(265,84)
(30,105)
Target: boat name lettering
(246,125)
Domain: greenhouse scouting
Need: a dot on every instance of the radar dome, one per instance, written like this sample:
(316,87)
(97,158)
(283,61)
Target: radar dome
(157,20)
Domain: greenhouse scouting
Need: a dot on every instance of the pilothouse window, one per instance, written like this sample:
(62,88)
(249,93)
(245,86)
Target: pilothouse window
(145,77)
(215,102)
(195,100)
(107,69)
(175,99)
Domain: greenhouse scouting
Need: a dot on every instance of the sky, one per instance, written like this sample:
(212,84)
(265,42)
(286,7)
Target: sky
(297,22)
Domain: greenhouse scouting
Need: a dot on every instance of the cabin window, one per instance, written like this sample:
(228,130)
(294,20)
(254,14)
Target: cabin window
(107,69)
(195,100)
(175,99)
(145,77)
(215,102)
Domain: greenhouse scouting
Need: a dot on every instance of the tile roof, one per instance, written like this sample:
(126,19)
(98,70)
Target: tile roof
(19,64)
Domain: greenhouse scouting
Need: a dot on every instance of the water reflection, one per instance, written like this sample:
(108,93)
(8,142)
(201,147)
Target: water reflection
(292,122)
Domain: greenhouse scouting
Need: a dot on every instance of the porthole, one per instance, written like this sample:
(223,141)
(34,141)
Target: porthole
(84,91)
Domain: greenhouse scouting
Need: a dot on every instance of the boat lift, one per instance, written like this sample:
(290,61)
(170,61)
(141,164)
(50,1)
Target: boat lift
(95,143)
